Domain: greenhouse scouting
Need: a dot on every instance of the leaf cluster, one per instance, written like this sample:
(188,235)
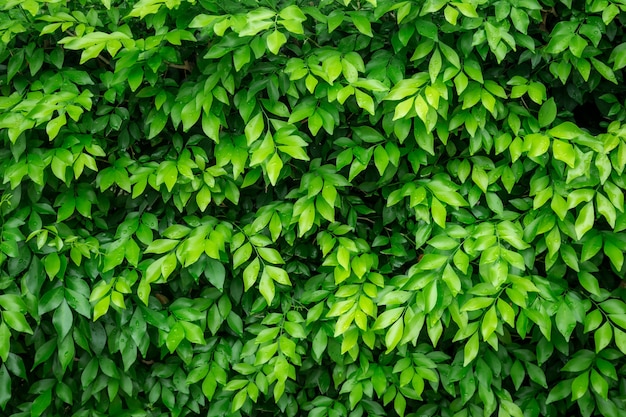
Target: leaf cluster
(331,208)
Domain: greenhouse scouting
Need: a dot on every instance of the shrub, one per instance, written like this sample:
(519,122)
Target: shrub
(312,208)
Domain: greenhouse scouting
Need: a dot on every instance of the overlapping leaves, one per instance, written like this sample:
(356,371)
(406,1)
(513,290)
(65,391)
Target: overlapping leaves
(233,208)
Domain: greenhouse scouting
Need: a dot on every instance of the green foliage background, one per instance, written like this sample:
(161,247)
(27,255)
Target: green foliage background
(312,208)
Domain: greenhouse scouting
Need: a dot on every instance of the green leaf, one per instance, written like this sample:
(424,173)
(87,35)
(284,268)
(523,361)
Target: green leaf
(190,115)
(511,408)
(241,255)
(364,101)
(175,336)
(606,368)
(241,57)
(536,144)
(250,273)
(577,45)
(394,335)
(167,174)
(559,43)
(488,100)
(467,9)
(5,342)
(193,332)
(585,220)
(278,274)
(63,319)
(580,385)
(506,312)
(477,303)
(135,77)
(335,18)
(319,344)
(262,152)
(270,255)
(292,13)
(565,320)
(438,212)
(520,19)
(609,13)
(215,273)
(211,126)
(603,336)
(517,374)
(238,400)
(274,167)
(41,403)
(470,351)
(434,65)
(160,246)
(480,178)
(451,55)
(362,23)
(16,321)
(589,283)
(618,56)
(593,320)
(565,152)
(52,264)
(604,70)
(561,390)
(54,126)
(275,41)
(432,6)
(368,134)
(615,195)
(381,159)
(5,386)
(536,374)
(14,65)
(599,384)
(209,385)
(620,339)
(606,209)
(254,128)
(266,287)
(547,113)
(580,361)
(235,323)
(566,130)
(102,306)
(305,222)
(489,323)
(387,318)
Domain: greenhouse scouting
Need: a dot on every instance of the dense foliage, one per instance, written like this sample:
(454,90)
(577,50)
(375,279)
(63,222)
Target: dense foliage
(312,208)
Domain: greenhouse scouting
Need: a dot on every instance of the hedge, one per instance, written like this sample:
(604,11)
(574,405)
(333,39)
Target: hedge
(312,208)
